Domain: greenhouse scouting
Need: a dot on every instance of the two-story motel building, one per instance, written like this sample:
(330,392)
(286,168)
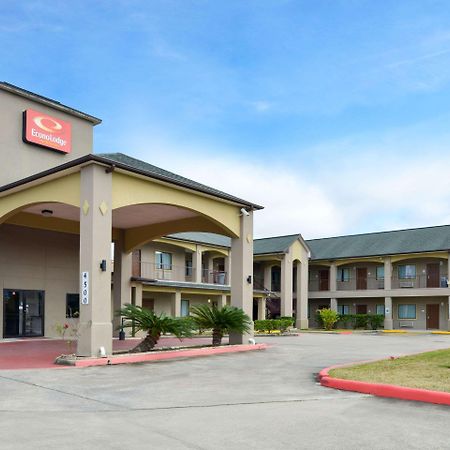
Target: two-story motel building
(177,243)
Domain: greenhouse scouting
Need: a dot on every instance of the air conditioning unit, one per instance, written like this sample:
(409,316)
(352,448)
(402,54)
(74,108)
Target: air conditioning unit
(406,284)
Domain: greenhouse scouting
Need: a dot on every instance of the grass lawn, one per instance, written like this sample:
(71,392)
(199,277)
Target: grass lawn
(429,370)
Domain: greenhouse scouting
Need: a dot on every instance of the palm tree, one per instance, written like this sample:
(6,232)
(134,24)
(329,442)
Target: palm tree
(224,320)
(154,325)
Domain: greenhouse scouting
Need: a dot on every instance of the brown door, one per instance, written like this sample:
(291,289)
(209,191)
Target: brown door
(361,278)
(324,276)
(136,263)
(361,309)
(433,275)
(433,316)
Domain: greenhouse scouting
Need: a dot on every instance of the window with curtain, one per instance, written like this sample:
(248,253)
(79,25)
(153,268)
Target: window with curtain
(380,273)
(380,309)
(184,308)
(343,310)
(343,274)
(163,260)
(407,271)
(406,311)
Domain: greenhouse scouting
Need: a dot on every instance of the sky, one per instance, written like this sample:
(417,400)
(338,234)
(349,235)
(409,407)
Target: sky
(333,115)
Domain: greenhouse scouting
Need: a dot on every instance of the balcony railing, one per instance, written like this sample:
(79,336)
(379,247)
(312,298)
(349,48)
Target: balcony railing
(360,283)
(169,272)
(420,282)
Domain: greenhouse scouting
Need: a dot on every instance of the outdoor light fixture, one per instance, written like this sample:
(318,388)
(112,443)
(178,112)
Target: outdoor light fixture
(244,212)
(47,212)
(249,279)
(103,265)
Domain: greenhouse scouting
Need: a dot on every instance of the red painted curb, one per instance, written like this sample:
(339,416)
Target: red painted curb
(172,354)
(382,390)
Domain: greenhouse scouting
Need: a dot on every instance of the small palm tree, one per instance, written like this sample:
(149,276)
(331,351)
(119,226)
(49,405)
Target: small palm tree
(154,325)
(224,320)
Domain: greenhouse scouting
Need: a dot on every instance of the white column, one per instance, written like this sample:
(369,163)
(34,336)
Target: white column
(228,268)
(176,304)
(333,304)
(388,313)
(210,277)
(95,246)
(242,274)
(387,273)
(197,264)
(121,281)
(262,308)
(268,277)
(302,295)
(222,300)
(286,286)
(333,277)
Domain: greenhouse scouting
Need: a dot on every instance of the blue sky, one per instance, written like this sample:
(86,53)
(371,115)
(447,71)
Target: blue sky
(332,114)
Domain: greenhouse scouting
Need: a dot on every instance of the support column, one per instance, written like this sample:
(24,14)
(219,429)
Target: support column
(333,304)
(95,246)
(242,274)
(210,277)
(388,322)
(228,268)
(302,296)
(197,264)
(262,308)
(176,304)
(286,286)
(222,300)
(268,277)
(121,281)
(333,277)
(387,273)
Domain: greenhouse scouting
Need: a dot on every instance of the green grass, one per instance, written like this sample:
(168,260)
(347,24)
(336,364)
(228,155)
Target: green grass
(429,370)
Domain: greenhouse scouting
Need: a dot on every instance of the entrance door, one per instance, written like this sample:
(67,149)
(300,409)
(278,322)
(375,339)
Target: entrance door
(361,278)
(433,316)
(433,275)
(324,276)
(23,313)
(361,309)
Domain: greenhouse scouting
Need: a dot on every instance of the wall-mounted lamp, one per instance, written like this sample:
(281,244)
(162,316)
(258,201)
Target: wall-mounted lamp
(249,279)
(103,265)
(47,212)
(244,212)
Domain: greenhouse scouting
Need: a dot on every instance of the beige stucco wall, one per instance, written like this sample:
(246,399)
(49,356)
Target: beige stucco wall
(40,260)
(26,159)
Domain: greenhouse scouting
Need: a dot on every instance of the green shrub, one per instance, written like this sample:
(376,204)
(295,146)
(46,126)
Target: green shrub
(329,318)
(345,320)
(269,325)
(376,321)
(360,321)
(285,323)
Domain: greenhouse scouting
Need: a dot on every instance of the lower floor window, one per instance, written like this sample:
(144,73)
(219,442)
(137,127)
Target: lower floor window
(72,305)
(380,310)
(406,311)
(184,308)
(343,310)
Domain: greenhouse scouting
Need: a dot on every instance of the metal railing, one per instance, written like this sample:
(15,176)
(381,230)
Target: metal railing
(170,272)
(422,281)
(360,283)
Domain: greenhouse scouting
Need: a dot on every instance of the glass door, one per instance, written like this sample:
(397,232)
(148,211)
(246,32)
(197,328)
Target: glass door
(23,313)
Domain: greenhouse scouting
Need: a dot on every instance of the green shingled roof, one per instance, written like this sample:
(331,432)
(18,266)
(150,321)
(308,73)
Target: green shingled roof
(161,174)
(277,244)
(203,238)
(415,240)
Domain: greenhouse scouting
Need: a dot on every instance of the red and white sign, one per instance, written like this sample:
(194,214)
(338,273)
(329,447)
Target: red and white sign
(47,131)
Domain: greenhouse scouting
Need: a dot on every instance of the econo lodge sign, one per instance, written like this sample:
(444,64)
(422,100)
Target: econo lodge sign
(47,131)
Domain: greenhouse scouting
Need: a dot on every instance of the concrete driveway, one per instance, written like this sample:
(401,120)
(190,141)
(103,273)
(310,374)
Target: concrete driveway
(260,400)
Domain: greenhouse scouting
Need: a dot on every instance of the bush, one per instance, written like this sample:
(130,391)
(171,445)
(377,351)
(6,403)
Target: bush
(270,325)
(376,321)
(360,321)
(329,318)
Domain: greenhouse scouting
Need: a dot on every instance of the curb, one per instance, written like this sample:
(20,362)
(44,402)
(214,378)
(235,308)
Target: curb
(382,390)
(164,356)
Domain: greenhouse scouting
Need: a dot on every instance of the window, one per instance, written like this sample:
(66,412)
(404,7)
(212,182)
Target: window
(380,309)
(343,310)
(380,273)
(343,274)
(184,308)
(407,271)
(406,311)
(72,305)
(163,260)
(188,270)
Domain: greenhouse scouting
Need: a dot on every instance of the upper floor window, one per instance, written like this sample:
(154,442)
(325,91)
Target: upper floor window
(163,260)
(380,273)
(407,271)
(343,274)
(188,267)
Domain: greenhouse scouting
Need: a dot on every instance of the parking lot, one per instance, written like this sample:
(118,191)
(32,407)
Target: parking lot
(265,399)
